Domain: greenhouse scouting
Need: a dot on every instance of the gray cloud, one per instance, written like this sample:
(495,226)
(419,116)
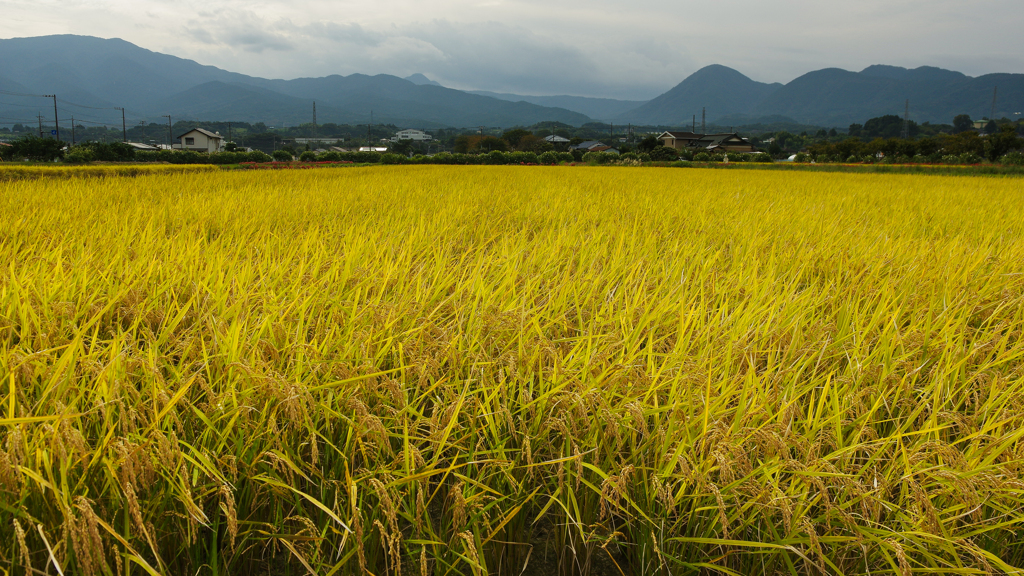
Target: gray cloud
(604,48)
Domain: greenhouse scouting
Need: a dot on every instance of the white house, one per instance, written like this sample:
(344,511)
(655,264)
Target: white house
(414,135)
(201,141)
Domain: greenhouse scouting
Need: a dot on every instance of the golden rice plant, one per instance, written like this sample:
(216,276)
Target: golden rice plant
(511,370)
(10,172)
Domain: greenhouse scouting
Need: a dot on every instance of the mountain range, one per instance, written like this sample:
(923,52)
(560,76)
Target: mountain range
(93,76)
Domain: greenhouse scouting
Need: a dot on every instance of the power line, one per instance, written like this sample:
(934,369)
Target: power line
(20,94)
(20,105)
(90,107)
(79,114)
(97,123)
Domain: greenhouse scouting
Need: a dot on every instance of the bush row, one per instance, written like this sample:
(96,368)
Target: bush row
(1010,159)
(41,149)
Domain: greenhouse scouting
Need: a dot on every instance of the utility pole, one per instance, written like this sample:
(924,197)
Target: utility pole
(124,129)
(56,123)
(703,121)
(314,120)
(229,131)
(995,93)
(40,116)
(368,128)
(693,128)
(906,122)
(72,129)
(169,139)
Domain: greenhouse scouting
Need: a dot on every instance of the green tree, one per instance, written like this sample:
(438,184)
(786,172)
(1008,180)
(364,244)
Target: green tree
(1003,142)
(991,127)
(962,123)
(855,129)
(39,149)
(403,147)
(462,144)
(888,126)
(664,154)
(492,143)
(514,136)
(649,143)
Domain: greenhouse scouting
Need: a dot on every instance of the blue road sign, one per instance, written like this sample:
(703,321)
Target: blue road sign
(53,132)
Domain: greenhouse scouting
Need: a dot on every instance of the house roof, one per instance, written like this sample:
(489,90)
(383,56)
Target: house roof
(681,135)
(556,138)
(589,144)
(713,141)
(141,146)
(206,133)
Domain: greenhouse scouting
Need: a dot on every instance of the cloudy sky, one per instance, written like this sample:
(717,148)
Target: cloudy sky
(618,49)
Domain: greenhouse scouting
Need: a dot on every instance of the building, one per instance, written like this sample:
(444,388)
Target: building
(594,146)
(706,142)
(201,141)
(679,140)
(144,147)
(414,135)
(372,149)
(724,143)
(556,139)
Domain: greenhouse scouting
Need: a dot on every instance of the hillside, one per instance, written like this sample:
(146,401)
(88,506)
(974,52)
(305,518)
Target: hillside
(104,73)
(98,75)
(834,97)
(722,90)
(596,108)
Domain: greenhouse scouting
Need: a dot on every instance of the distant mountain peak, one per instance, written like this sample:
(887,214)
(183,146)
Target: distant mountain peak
(421,80)
(719,90)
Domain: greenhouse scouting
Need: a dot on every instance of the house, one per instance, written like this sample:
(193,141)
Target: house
(556,139)
(590,146)
(724,143)
(143,147)
(414,135)
(594,146)
(372,149)
(201,141)
(679,140)
(706,142)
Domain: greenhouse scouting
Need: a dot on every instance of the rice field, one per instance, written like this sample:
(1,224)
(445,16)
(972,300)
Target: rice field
(511,370)
(9,172)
